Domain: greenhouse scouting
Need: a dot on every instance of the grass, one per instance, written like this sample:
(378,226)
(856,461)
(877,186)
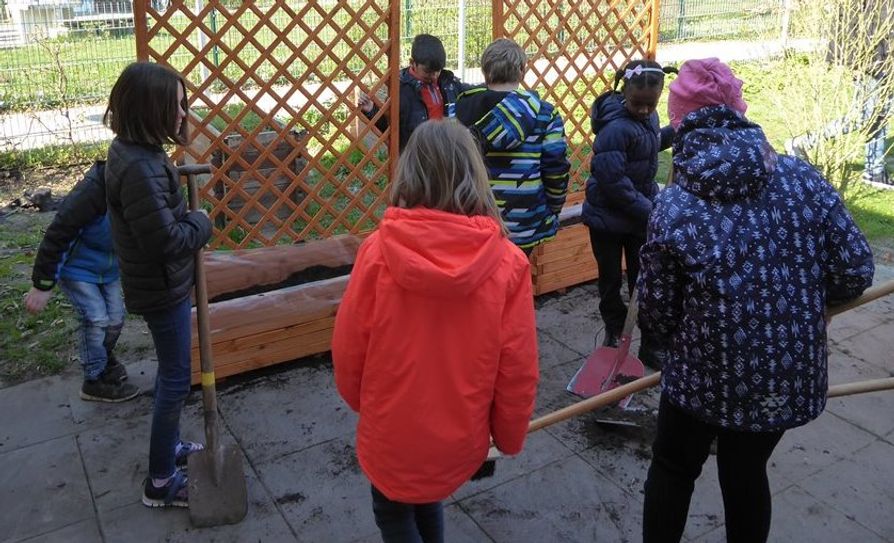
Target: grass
(32,345)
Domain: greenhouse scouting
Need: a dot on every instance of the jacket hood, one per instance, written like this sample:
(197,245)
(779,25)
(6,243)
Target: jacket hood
(439,253)
(406,77)
(721,155)
(607,107)
(504,119)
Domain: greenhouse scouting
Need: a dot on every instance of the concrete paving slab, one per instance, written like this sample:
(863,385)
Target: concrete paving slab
(622,454)
(136,522)
(806,450)
(870,347)
(565,501)
(573,322)
(862,410)
(116,455)
(86,531)
(540,449)
(799,516)
(44,489)
(35,411)
(321,491)
(458,528)
(553,353)
(286,412)
(859,320)
(860,486)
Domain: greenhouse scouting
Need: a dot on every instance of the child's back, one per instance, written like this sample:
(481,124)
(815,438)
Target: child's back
(523,140)
(435,343)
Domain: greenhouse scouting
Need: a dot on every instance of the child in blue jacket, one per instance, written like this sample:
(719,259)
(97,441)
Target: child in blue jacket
(622,187)
(77,253)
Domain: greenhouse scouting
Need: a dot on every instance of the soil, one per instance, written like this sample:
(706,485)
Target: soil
(15,183)
(307,275)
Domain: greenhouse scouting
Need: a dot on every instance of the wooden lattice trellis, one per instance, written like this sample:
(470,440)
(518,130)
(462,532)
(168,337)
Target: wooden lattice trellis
(574,48)
(272,86)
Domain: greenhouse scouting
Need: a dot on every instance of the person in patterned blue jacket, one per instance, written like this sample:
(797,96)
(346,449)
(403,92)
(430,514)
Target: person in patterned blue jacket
(523,141)
(621,187)
(745,250)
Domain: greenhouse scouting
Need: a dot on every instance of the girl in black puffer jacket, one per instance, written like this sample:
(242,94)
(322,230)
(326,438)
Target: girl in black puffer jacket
(622,186)
(156,239)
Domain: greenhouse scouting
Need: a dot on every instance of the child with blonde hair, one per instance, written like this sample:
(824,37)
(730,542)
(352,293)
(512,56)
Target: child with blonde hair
(523,140)
(435,344)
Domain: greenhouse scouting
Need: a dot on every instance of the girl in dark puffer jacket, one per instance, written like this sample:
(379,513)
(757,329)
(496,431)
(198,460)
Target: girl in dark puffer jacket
(622,185)
(156,239)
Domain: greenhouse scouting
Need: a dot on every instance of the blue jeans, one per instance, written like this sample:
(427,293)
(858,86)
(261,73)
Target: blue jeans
(172,335)
(100,309)
(407,522)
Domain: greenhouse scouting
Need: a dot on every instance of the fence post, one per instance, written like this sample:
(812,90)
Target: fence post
(681,18)
(461,49)
(497,18)
(140,30)
(786,20)
(654,29)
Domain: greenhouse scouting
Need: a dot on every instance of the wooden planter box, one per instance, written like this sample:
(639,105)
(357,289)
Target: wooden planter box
(251,329)
(567,260)
(254,330)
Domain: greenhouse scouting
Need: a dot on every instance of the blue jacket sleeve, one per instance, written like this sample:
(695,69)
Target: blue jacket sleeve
(849,267)
(660,282)
(554,164)
(609,170)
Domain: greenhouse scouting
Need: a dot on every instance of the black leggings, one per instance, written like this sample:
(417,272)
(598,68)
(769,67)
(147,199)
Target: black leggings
(682,445)
(609,249)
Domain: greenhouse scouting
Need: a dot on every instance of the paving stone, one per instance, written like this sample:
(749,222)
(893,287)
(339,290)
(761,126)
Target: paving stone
(35,411)
(458,528)
(872,346)
(86,531)
(136,522)
(572,322)
(799,516)
(44,489)
(540,449)
(565,501)
(321,491)
(860,486)
(286,412)
(807,449)
(863,410)
(116,455)
(553,353)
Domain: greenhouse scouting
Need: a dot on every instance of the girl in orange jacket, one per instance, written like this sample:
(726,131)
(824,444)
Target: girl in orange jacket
(435,344)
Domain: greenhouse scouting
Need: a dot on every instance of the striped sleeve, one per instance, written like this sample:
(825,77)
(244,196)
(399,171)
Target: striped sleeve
(554,163)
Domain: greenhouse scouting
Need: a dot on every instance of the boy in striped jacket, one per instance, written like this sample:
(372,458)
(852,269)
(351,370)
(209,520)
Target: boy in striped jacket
(523,141)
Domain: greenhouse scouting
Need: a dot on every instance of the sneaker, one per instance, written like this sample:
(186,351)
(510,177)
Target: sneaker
(183,450)
(105,389)
(173,494)
(115,371)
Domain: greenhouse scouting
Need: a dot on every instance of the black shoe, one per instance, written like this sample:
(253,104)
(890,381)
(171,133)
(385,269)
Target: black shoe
(107,390)
(115,371)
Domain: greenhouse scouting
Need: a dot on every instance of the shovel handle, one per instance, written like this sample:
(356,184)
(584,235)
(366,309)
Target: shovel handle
(617,394)
(209,391)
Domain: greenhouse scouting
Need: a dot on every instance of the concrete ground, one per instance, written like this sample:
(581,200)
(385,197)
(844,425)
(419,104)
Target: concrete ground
(71,471)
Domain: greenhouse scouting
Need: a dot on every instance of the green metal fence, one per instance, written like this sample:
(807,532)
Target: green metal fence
(59,61)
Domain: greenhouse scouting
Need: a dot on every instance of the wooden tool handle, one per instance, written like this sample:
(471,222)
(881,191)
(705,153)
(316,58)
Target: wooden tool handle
(209,390)
(616,394)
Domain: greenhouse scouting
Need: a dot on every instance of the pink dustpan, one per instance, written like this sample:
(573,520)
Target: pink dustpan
(610,367)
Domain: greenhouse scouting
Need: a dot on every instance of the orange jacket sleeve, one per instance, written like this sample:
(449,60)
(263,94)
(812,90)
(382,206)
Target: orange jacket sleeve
(516,385)
(350,338)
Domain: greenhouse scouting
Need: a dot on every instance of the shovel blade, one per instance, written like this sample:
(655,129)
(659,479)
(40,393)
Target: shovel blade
(217,493)
(595,376)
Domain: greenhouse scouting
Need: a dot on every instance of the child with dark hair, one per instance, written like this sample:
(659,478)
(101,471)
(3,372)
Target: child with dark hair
(523,140)
(156,238)
(77,254)
(426,88)
(622,186)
